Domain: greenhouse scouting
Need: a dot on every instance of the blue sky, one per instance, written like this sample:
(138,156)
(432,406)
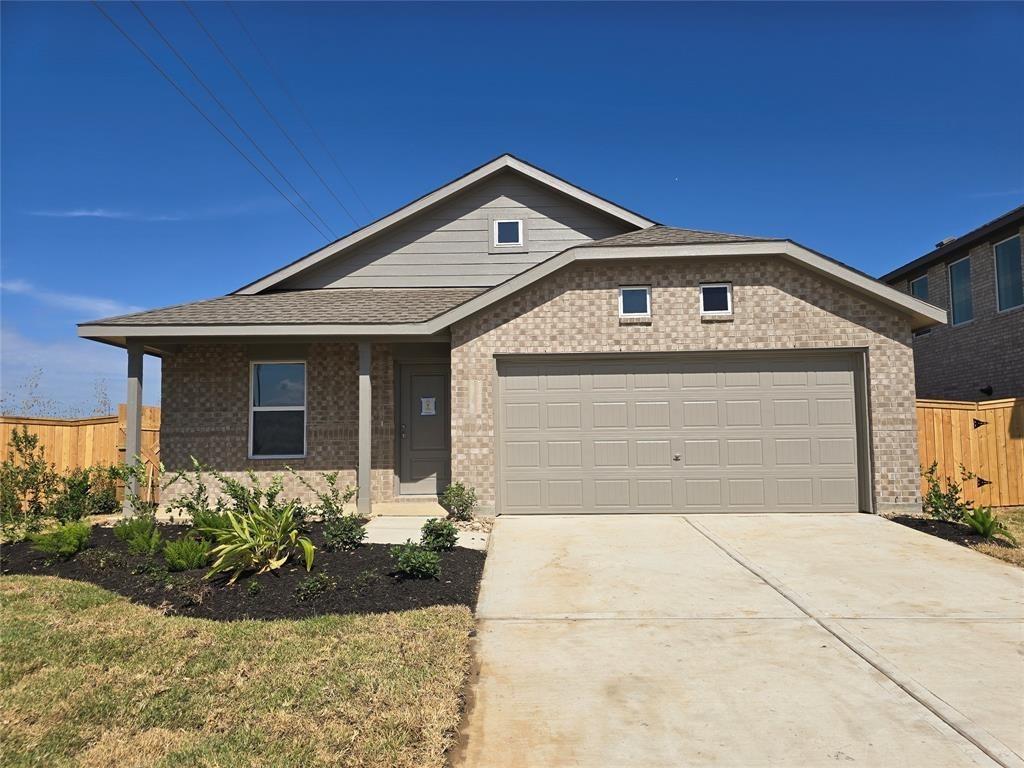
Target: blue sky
(866,131)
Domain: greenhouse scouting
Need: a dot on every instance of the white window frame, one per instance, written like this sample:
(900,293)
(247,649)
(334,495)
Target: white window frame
(728,300)
(646,289)
(995,270)
(949,281)
(494,234)
(910,285)
(253,408)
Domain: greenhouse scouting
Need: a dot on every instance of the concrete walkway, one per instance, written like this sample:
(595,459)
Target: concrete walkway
(399,529)
(753,640)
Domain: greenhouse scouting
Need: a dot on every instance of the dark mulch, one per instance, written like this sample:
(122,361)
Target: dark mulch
(365,578)
(958,533)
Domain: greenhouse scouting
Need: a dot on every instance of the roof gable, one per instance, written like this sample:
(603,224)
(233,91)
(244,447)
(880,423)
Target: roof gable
(500,164)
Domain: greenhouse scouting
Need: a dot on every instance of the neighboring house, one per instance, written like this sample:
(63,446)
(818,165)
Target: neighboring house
(979,355)
(555,351)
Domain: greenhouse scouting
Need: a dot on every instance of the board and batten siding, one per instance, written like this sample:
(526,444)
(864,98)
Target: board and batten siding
(449,245)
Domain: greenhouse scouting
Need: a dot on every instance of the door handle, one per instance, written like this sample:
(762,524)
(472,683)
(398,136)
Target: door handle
(402,433)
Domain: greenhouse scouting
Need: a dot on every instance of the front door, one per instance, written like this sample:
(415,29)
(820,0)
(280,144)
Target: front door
(424,436)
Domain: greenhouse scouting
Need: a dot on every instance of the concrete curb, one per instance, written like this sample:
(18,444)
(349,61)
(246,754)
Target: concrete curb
(967,728)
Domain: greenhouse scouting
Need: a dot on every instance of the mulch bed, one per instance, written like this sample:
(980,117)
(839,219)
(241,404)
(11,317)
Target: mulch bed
(958,533)
(365,578)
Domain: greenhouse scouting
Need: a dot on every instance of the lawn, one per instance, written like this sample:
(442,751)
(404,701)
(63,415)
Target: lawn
(89,678)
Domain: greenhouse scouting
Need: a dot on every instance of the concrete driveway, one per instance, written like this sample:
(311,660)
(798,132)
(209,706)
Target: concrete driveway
(743,640)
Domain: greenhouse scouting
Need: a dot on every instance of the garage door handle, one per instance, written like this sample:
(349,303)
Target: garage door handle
(676,457)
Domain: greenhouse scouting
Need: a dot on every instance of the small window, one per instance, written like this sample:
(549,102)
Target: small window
(919,288)
(716,299)
(508,232)
(960,303)
(635,301)
(277,419)
(1009,286)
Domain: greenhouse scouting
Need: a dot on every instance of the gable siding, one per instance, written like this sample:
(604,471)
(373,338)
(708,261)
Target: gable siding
(450,245)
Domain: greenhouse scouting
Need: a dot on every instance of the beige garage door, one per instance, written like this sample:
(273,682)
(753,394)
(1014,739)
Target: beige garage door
(694,433)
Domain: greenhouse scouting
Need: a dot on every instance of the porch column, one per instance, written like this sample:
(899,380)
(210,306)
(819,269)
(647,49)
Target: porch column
(133,416)
(363,475)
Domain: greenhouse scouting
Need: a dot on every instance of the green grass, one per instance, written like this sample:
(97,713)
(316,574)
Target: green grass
(89,679)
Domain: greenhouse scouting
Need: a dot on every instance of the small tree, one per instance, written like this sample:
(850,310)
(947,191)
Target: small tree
(946,503)
(27,480)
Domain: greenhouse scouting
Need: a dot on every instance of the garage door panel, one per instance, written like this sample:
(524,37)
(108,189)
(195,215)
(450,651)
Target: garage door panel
(719,434)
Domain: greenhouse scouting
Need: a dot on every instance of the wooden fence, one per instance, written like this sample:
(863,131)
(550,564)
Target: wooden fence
(71,443)
(987,438)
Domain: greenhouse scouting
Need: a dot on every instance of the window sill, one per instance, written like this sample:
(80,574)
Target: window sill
(639,320)
(717,318)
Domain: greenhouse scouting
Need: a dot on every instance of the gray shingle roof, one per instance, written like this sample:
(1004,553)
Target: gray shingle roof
(327,306)
(662,235)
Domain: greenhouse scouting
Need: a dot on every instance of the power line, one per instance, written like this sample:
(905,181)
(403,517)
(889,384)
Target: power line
(295,103)
(267,110)
(231,117)
(206,117)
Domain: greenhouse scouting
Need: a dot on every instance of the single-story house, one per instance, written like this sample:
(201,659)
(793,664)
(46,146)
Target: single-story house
(555,351)
(979,279)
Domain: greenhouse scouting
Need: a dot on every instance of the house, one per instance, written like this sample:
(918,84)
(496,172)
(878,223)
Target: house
(979,354)
(554,350)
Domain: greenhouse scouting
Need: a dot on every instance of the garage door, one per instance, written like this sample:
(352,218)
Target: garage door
(698,433)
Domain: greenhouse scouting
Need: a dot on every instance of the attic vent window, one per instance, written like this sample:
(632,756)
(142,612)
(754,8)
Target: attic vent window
(508,232)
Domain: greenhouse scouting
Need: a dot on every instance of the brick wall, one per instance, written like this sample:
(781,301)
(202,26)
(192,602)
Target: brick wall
(954,363)
(205,414)
(778,305)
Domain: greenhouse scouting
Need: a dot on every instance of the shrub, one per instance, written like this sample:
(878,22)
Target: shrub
(985,523)
(330,502)
(459,500)
(140,534)
(438,535)
(261,540)
(254,588)
(205,521)
(62,542)
(103,491)
(82,492)
(26,481)
(186,553)
(945,504)
(312,587)
(415,562)
(345,532)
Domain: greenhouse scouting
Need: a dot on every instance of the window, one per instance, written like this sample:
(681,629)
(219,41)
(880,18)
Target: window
(277,418)
(635,301)
(960,304)
(1009,286)
(716,299)
(919,288)
(508,232)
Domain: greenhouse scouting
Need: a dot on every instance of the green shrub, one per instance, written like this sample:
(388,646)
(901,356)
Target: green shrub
(945,503)
(459,500)
(330,500)
(985,523)
(186,553)
(63,542)
(195,505)
(205,521)
(261,540)
(439,535)
(27,480)
(70,500)
(345,532)
(415,562)
(103,492)
(140,534)
(312,587)
(254,588)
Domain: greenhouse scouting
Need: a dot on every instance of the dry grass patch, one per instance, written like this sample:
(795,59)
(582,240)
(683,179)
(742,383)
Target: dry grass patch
(88,678)
(1013,519)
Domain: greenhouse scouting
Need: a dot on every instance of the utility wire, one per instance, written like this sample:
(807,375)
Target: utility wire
(295,103)
(231,117)
(205,116)
(267,110)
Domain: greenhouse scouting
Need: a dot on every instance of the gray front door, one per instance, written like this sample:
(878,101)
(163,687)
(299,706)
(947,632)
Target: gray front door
(424,437)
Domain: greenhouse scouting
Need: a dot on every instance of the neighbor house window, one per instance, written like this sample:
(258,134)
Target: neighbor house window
(919,288)
(277,418)
(1009,286)
(960,304)
(716,299)
(508,232)
(635,301)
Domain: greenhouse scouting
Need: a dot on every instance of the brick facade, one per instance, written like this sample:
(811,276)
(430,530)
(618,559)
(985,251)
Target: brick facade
(205,414)
(954,363)
(777,305)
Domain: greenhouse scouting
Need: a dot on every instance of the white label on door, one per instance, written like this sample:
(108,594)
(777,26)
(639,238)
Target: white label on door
(428,406)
